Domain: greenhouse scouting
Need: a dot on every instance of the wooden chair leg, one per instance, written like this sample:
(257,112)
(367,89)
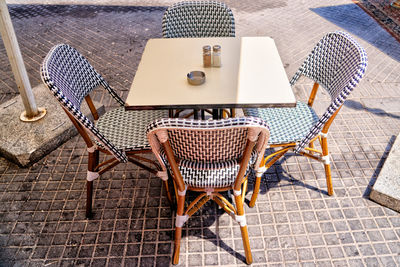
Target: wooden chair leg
(169,196)
(275,156)
(178,230)
(89,198)
(311,145)
(256,190)
(328,179)
(92,165)
(246,244)
(243,230)
(177,244)
(327,166)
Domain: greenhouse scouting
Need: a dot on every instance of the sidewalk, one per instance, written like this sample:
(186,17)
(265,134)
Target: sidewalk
(294,222)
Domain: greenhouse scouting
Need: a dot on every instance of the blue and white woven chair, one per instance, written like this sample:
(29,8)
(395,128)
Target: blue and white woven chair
(196,19)
(119,133)
(337,63)
(209,157)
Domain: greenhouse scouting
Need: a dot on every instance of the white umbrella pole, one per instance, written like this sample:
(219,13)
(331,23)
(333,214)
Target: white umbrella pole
(17,64)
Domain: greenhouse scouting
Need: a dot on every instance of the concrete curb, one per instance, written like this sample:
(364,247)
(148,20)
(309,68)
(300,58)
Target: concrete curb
(386,190)
(26,142)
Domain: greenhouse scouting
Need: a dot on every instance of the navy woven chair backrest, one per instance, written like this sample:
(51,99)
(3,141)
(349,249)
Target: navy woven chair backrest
(337,63)
(70,77)
(210,141)
(73,74)
(198,19)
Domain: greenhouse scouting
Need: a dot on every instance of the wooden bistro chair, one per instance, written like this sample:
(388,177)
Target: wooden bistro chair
(196,19)
(209,156)
(337,63)
(119,133)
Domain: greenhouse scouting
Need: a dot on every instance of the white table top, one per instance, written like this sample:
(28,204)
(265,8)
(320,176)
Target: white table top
(251,75)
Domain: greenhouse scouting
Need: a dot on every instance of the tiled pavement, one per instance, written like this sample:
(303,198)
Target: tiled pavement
(294,222)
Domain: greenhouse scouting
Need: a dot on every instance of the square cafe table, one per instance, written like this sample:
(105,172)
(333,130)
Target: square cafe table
(251,75)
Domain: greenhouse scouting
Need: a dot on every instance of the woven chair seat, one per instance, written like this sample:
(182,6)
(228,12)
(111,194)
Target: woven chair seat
(215,175)
(287,125)
(127,129)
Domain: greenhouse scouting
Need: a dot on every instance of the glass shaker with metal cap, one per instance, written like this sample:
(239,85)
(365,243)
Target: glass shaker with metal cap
(216,56)
(207,56)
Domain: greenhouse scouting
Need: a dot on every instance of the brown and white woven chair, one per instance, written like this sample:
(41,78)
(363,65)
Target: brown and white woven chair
(209,157)
(119,133)
(196,19)
(337,63)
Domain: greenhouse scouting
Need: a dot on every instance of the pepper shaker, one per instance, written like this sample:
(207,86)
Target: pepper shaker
(207,56)
(216,56)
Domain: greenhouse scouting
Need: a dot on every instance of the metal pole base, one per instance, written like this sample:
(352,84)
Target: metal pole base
(42,112)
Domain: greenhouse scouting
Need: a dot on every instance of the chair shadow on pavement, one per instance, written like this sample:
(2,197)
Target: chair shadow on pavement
(376,111)
(353,19)
(202,225)
(208,221)
(276,174)
(274,177)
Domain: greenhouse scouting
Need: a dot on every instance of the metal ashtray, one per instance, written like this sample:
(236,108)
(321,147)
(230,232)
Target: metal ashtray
(196,77)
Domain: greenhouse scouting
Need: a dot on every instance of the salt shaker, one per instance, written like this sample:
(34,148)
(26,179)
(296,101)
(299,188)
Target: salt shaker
(216,56)
(207,56)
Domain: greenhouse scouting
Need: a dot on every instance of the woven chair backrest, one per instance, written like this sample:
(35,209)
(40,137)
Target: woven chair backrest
(337,63)
(333,63)
(198,19)
(205,141)
(70,77)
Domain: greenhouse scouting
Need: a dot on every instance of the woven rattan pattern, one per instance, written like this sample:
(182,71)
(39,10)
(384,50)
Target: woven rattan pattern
(198,19)
(61,72)
(337,63)
(73,74)
(209,175)
(71,77)
(287,125)
(126,129)
(207,146)
(339,60)
(208,152)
